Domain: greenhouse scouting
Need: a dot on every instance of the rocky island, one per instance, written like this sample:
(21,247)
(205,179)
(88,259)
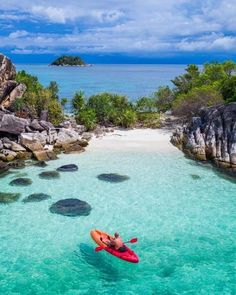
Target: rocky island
(71,61)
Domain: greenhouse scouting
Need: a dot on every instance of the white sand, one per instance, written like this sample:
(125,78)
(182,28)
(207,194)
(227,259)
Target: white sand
(133,140)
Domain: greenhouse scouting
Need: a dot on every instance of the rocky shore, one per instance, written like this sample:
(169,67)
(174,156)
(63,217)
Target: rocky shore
(36,138)
(211,136)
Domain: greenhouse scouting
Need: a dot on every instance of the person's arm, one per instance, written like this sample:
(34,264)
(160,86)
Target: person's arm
(105,242)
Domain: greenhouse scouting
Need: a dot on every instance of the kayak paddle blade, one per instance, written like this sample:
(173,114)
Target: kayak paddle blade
(134,240)
(99,248)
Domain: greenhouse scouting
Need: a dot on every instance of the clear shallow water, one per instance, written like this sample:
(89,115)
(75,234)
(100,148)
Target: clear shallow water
(186,228)
(131,80)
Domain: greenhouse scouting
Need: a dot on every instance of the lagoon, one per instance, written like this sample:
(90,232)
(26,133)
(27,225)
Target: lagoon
(185,224)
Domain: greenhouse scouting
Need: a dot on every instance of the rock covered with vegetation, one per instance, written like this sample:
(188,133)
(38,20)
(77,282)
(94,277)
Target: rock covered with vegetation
(211,136)
(66,60)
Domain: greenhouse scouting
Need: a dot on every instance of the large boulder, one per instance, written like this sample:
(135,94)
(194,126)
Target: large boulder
(12,124)
(44,155)
(34,124)
(67,136)
(9,89)
(7,155)
(71,207)
(31,141)
(211,136)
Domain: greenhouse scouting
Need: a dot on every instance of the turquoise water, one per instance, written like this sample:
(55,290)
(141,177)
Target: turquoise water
(131,80)
(186,228)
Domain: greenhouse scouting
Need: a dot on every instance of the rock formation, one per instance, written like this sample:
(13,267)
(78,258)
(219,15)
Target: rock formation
(211,136)
(9,88)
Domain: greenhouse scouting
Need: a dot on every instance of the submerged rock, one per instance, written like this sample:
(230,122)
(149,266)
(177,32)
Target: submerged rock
(41,164)
(21,182)
(195,176)
(6,198)
(36,198)
(68,168)
(49,175)
(71,207)
(113,177)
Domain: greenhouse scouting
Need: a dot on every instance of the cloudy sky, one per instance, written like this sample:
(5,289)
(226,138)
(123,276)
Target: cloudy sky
(152,30)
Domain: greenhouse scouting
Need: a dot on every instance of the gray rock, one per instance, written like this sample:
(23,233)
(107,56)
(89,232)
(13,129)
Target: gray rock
(9,89)
(71,207)
(35,125)
(49,175)
(46,125)
(112,177)
(68,168)
(44,115)
(31,141)
(12,124)
(211,136)
(36,198)
(67,136)
(21,182)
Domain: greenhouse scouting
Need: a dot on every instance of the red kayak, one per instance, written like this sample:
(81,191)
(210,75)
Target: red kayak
(128,255)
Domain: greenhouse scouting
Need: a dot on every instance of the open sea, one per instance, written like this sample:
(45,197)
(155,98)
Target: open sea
(182,213)
(134,81)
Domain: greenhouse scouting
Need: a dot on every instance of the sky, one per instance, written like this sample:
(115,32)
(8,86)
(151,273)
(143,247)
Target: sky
(124,31)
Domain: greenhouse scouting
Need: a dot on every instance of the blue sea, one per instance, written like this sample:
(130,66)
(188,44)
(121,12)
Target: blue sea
(133,81)
(182,212)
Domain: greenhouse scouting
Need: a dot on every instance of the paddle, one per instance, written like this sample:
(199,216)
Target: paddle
(99,248)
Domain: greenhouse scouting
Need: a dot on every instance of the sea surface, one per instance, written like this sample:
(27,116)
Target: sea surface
(133,81)
(182,213)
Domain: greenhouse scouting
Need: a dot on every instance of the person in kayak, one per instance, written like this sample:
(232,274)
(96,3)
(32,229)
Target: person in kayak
(114,243)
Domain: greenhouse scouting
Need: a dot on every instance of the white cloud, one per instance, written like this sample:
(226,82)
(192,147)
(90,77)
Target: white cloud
(126,26)
(18,34)
(212,42)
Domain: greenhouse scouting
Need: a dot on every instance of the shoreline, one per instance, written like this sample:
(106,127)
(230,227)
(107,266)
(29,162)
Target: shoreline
(133,140)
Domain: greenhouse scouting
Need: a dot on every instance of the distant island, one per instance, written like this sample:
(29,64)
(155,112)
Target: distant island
(66,60)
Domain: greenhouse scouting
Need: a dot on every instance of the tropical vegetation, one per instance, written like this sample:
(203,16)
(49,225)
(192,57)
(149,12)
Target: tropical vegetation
(38,98)
(198,87)
(66,60)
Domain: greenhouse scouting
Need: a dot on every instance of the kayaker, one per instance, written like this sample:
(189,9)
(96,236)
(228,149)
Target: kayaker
(115,243)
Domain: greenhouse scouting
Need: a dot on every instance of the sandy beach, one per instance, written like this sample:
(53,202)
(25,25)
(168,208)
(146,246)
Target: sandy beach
(134,140)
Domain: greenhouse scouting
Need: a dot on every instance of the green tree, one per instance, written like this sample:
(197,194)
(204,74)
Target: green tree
(38,98)
(164,97)
(109,107)
(55,113)
(229,67)
(145,104)
(53,87)
(187,81)
(228,88)
(128,118)
(78,101)
(190,104)
(87,117)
